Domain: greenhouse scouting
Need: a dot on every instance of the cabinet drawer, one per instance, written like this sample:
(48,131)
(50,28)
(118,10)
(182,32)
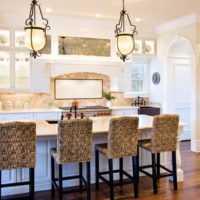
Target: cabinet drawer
(16,116)
(130,112)
(125,112)
(47,115)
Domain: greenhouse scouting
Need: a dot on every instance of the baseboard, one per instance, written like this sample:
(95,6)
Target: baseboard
(195,146)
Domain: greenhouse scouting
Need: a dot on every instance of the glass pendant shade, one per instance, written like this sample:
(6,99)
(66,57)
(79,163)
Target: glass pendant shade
(125,43)
(35,38)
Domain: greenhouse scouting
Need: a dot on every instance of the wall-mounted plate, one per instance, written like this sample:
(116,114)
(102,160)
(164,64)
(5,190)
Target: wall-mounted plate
(156,78)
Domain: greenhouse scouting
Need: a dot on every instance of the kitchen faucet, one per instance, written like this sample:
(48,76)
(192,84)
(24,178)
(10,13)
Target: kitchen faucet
(140,101)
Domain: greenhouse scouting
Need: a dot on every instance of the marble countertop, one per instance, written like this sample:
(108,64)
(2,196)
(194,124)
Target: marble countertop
(60,110)
(100,126)
(123,107)
(31,111)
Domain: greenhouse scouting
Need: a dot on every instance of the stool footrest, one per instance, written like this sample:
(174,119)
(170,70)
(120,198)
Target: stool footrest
(17,198)
(146,173)
(158,176)
(107,172)
(16,184)
(68,178)
(166,169)
(116,171)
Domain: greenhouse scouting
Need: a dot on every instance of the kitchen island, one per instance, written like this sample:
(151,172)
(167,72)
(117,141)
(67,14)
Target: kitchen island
(46,139)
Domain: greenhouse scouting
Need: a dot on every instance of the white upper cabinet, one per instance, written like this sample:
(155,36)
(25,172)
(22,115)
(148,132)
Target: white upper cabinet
(15,70)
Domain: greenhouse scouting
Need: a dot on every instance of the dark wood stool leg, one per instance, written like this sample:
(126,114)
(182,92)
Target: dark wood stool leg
(32,183)
(121,170)
(88,182)
(0,184)
(174,170)
(135,176)
(158,165)
(81,175)
(154,176)
(60,181)
(138,163)
(97,169)
(52,176)
(110,164)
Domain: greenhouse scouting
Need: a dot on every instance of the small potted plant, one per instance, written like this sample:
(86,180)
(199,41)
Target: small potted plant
(108,97)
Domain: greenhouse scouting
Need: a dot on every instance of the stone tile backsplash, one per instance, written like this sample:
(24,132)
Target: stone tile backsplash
(44,100)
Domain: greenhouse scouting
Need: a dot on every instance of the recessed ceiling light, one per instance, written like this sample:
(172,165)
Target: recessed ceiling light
(49,10)
(98,15)
(138,19)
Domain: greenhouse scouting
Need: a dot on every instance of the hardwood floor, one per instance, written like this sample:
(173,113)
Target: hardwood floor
(189,190)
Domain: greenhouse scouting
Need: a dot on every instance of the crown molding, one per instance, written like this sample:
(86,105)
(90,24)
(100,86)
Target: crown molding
(177,23)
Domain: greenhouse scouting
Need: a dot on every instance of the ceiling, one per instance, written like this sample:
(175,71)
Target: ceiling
(151,12)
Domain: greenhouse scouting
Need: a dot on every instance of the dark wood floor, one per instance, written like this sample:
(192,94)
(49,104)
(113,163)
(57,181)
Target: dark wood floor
(189,190)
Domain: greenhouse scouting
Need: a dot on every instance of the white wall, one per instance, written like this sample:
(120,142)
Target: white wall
(158,93)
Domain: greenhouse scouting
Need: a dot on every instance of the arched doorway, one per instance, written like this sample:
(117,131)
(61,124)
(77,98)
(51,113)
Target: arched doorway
(180,83)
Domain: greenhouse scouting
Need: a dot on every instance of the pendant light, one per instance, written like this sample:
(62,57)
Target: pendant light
(125,40)
(35,36)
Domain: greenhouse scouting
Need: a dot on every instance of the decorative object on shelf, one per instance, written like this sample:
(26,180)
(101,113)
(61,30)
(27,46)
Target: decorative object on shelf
(156,78)
(125,40)
(138,47)
(19,38)
(27,106)
(8,106)
(149,47)
(83,46)
(1,106)
(108,97)
(35,36)
(4,38)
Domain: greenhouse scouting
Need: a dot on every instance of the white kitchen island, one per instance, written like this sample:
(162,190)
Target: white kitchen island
(46,139)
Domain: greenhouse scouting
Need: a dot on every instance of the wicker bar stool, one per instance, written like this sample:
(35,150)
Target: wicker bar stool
(122,142)
(74,144)
(163,139)
(18,150)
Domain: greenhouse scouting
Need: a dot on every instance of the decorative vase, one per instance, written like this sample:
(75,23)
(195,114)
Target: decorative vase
(108,103)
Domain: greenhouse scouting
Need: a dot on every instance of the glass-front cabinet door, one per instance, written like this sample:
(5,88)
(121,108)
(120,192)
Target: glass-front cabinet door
(22,70)
(14,62)
(4,69)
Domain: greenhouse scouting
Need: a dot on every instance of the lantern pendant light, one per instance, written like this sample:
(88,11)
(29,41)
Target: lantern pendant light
(35,36)
(125,40)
